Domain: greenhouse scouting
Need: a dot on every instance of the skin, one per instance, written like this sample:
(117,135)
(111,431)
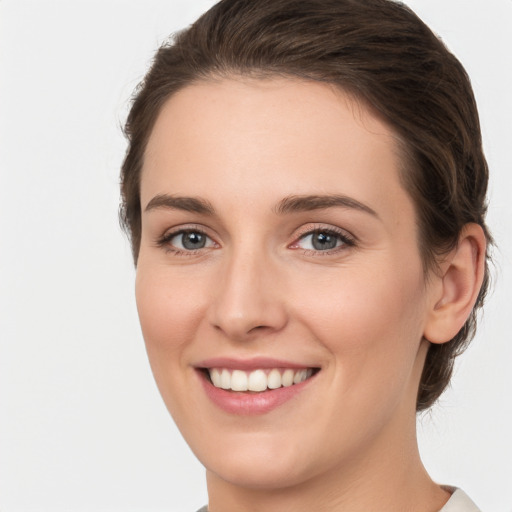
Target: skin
(360,312)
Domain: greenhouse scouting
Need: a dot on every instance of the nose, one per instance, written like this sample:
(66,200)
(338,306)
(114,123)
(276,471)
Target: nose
(247,300)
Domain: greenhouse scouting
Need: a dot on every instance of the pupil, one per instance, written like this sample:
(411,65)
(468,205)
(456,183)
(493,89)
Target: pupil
(193,241)
(324,241)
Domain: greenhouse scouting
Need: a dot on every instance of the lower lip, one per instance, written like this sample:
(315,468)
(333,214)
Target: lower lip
(247,403)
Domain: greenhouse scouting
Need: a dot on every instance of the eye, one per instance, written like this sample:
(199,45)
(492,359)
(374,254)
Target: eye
(323,240)
(186,240)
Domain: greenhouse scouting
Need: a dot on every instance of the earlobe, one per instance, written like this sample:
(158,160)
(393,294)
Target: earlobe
(461,278)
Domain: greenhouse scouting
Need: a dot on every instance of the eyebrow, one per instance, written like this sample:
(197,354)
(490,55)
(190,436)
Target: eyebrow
(290,204)
(188,204)
(318,202)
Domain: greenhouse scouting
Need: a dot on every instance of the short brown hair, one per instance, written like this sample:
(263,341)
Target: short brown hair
(380,52)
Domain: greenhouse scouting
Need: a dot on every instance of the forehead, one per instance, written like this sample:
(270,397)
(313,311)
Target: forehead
(253,137)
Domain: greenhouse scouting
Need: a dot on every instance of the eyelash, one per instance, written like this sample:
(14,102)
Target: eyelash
(346,241)
(165,241)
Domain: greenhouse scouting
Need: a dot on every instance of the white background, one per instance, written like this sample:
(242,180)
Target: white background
(82,427)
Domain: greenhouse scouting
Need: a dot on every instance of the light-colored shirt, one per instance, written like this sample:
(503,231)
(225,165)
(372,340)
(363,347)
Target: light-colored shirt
(459,502)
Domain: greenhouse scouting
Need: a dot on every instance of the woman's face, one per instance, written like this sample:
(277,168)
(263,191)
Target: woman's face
(279,244)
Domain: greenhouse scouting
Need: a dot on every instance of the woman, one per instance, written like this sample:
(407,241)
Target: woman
(305,193)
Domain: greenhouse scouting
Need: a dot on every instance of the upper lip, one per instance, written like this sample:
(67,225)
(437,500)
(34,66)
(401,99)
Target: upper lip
(254,363)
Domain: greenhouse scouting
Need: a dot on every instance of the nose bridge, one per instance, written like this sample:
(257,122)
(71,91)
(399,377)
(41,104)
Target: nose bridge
(247,298)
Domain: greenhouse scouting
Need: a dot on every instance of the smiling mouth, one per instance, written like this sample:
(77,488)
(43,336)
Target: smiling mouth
(258,380)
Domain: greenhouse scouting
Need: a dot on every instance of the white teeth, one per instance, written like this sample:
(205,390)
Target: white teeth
(216,378)
(239,381)
(257,380)
(287,378)
(300,376)
(274,379)
(225,379)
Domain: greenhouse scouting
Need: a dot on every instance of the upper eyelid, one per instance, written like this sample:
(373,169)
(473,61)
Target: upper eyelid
(308,229)
(185,228)
(170,233)
(298,233)
(348,240)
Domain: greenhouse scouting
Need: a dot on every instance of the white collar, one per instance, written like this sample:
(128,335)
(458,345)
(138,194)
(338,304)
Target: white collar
(459,502)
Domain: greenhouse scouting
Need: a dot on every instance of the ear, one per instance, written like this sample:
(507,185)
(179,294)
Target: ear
(456,288)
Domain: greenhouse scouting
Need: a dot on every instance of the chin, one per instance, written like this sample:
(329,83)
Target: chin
(269,472)
(257,460)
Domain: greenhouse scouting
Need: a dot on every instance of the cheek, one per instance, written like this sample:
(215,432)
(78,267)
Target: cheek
(371,321)
(353,303)
(169,310)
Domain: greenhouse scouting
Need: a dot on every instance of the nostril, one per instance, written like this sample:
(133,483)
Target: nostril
(260,329)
